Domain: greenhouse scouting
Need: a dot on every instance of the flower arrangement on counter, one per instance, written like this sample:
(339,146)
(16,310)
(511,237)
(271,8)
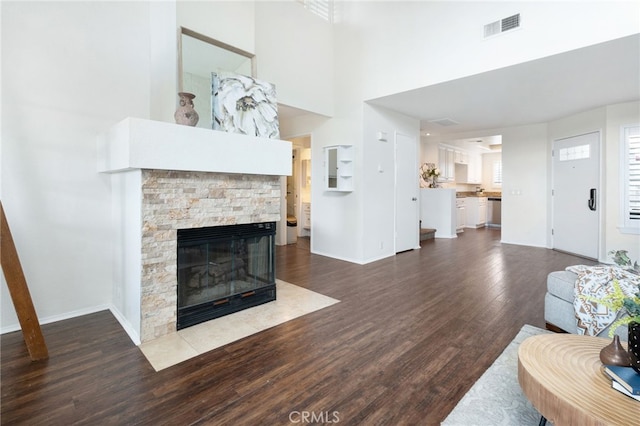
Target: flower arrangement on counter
(429,174)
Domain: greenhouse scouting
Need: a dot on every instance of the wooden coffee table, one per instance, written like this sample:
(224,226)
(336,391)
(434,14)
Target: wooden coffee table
(561,375)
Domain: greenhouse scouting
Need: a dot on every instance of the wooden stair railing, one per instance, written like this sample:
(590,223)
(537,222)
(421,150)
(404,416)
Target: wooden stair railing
(20,295)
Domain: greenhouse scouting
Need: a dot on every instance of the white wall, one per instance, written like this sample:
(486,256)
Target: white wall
(70,70)
(336,217)
(424,43)
(378,174)
(617,116)
(429,149)
(524,189)
(295,52)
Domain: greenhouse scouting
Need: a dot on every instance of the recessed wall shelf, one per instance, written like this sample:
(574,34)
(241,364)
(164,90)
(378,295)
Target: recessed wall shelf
(338,160)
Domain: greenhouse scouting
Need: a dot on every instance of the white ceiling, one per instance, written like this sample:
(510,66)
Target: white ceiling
(533,92)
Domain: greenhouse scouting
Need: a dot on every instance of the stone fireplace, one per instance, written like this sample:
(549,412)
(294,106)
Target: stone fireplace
(224,269)
(173,200)
(166,177)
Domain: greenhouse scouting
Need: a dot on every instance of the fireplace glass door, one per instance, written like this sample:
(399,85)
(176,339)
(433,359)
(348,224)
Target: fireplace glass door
(224,269)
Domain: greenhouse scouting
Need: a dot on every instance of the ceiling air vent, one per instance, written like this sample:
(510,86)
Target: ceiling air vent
(444,122)
(506,24)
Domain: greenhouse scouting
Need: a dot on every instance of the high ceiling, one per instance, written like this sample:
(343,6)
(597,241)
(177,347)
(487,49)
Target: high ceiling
(538,91)
(533,92)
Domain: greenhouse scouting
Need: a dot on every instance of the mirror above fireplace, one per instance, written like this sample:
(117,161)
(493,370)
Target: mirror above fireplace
(198,57)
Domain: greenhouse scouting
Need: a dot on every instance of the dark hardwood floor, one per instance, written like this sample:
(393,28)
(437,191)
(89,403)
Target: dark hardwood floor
(411,335)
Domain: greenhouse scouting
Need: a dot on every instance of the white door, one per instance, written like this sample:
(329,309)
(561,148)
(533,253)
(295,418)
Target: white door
(407,191)
(576,194)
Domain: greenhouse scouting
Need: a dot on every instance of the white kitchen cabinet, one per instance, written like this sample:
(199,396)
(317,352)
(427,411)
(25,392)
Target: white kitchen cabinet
(474,169)
(306,216)
(476,208)
(461,214)
(470,173)
(461,157)
(446,157)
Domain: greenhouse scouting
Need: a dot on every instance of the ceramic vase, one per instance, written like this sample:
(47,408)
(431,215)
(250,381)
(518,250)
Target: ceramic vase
(185,114)
(614,353)
(634,345)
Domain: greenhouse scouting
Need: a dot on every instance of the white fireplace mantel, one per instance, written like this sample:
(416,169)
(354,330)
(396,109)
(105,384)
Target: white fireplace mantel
(134,148)
(136,143)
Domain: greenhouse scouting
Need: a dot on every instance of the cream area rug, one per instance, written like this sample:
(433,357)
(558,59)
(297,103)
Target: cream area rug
(292,302)
(496,398)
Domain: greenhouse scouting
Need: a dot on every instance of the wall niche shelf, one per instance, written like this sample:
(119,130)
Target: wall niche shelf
(338,160)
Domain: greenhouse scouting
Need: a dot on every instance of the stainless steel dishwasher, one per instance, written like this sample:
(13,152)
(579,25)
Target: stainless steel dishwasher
(494,212)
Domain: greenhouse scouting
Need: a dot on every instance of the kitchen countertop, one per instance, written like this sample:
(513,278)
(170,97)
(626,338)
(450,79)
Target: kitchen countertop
(491,194)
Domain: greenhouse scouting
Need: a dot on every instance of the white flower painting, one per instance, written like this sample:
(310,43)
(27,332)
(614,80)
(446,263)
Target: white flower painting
(242,104)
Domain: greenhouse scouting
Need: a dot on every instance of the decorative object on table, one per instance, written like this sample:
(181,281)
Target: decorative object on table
(242,104)
(632,305)
(429,174)
(185,114)
(615,354)
(627,377)
(634,345)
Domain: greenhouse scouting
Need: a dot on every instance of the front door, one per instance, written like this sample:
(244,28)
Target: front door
(407,216)
(576,194)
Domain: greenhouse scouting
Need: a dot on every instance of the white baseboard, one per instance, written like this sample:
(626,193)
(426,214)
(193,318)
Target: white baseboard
(81,312)
(346,259)
(133,335)
(375,259)
(359,261)
(55,318)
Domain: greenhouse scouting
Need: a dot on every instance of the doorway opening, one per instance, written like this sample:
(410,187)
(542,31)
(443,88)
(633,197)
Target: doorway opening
(296,216)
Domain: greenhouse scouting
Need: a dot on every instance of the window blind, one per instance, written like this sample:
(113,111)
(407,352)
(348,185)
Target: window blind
(497,173)
(322,8)
(633,174)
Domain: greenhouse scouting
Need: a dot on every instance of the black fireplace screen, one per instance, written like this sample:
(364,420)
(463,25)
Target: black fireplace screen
(224,269)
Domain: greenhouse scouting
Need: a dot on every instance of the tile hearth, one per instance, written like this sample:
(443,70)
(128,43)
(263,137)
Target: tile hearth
(292,302)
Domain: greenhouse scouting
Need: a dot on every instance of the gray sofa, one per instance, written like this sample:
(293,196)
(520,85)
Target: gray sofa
(559,313)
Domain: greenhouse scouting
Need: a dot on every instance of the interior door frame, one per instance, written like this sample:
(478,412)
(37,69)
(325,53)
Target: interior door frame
(281,229)
(601,194)
(416,241)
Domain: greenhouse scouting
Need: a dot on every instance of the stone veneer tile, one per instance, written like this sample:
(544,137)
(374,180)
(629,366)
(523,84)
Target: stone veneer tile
(173,200)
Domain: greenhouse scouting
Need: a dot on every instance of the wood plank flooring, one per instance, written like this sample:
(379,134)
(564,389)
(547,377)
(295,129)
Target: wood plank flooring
(411,335)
